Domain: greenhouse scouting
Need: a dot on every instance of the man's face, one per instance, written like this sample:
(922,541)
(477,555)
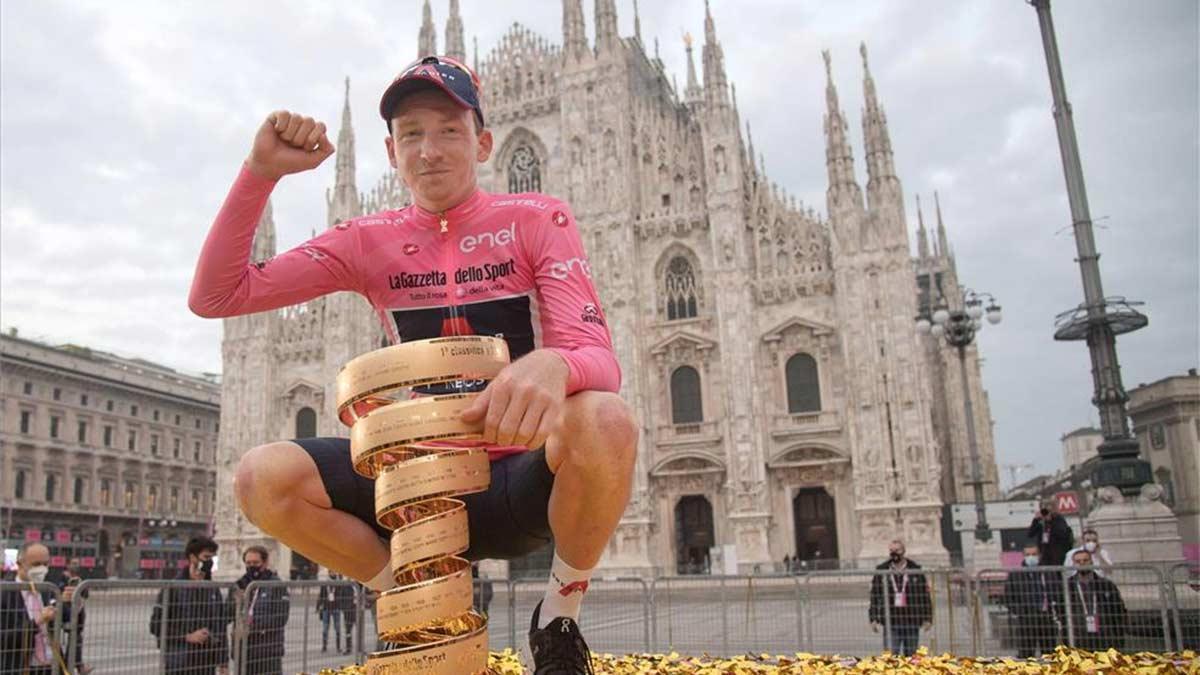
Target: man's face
(33,557)
(1031,551)
(895,549)
(435,148)
(1082,559)
(253,561)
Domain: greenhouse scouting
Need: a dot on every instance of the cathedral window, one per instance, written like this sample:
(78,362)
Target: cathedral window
(680,288)
(524,171)
(803,388)
(306,423)
(686,405)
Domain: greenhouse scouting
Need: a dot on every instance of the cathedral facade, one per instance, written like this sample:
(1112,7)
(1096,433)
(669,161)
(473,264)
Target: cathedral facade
(787,405)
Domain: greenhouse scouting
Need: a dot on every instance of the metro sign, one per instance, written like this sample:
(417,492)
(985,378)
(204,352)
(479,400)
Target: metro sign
(1067,502)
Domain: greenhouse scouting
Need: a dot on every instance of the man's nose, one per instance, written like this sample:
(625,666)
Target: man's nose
(429,148)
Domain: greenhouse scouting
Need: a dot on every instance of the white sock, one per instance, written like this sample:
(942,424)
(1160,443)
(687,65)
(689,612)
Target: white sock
(382,581)
(564,592)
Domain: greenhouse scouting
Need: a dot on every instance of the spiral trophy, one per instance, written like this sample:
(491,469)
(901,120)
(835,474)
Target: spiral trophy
(402,443)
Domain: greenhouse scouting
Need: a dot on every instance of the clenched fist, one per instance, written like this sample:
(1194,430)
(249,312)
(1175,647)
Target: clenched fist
(288,143)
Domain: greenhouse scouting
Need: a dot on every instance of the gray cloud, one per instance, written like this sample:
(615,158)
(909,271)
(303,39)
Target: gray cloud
(122,125)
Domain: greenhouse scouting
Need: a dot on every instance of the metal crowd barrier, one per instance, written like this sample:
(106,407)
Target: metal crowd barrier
(1028,611)
(858,612)
(1183,586)
(305,626)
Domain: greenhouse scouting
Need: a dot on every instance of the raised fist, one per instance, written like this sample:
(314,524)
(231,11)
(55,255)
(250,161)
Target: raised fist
(288,143)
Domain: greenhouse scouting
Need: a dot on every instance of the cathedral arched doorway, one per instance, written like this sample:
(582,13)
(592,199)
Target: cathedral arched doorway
(694,534)
(815,515)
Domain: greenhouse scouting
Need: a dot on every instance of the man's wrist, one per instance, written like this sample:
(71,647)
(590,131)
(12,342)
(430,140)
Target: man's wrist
(261,171)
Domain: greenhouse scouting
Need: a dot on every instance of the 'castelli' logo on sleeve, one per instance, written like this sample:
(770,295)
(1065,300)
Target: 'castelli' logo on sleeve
(562,270)
(411,249)
(559,218)
(501,237)
(591,314)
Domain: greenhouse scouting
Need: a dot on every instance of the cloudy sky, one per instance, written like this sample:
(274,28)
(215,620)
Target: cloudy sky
(122,124)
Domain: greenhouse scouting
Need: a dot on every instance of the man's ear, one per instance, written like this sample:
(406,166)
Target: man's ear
(391,150)
(485,146)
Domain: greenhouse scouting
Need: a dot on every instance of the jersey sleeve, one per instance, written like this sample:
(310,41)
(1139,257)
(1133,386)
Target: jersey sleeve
(573,323)
(228,283)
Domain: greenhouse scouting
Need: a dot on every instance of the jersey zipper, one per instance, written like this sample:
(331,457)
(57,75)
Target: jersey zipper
(448,265)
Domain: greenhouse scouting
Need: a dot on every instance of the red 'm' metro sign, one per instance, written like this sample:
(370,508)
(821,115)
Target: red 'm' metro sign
(1067,502)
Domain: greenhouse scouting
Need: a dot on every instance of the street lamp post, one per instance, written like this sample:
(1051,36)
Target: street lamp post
(1099,319)
(958,326)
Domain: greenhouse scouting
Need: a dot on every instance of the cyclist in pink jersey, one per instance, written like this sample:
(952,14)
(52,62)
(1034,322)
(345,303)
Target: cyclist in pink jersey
(458,261)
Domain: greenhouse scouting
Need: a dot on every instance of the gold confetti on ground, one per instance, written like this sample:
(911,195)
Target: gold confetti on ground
(1063,662)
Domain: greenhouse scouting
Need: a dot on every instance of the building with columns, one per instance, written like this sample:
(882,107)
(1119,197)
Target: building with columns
(787,405)
(106,459)
(1166,422)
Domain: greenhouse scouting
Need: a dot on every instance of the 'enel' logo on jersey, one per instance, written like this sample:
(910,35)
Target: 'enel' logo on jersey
(562,270)
(501,237)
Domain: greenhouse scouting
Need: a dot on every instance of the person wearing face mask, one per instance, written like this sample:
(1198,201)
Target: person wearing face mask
(264,613)
(1100,557)
(1098,616)
(26,616)
(191,621)
(900,601)
(1029,596)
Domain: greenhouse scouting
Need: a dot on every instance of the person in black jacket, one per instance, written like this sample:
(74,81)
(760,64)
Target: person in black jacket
(72,577)
(265,614)
(26,617)
(191,621)
(329,608)
(1030,594)
(1052,534)
(1098,616)
(904,606)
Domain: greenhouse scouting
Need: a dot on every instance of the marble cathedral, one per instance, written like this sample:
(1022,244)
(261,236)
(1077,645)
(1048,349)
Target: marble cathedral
(788,406)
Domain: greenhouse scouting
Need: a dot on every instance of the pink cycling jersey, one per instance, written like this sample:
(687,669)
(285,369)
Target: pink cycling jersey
(512,266)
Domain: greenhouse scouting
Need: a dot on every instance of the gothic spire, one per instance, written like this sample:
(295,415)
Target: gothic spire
(875,132)
(693,85)
(456,47)
(750,145)
(264,236)
(715,81)
(606,26)
(943,245)
(637,22)
(922,235)
(475,42)
(574,33)
(344,201)
(427,38)
(838,159)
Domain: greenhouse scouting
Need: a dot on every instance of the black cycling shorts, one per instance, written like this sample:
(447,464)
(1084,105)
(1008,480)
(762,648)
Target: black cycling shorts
(508,521)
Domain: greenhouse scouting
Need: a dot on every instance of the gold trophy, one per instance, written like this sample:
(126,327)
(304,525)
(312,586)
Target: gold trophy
(422,456)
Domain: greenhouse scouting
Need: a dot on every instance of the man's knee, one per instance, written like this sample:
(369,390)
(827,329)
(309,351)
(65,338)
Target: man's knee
(606,433)
(268,477)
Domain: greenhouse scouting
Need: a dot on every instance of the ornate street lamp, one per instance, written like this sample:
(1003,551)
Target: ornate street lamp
(958,327)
